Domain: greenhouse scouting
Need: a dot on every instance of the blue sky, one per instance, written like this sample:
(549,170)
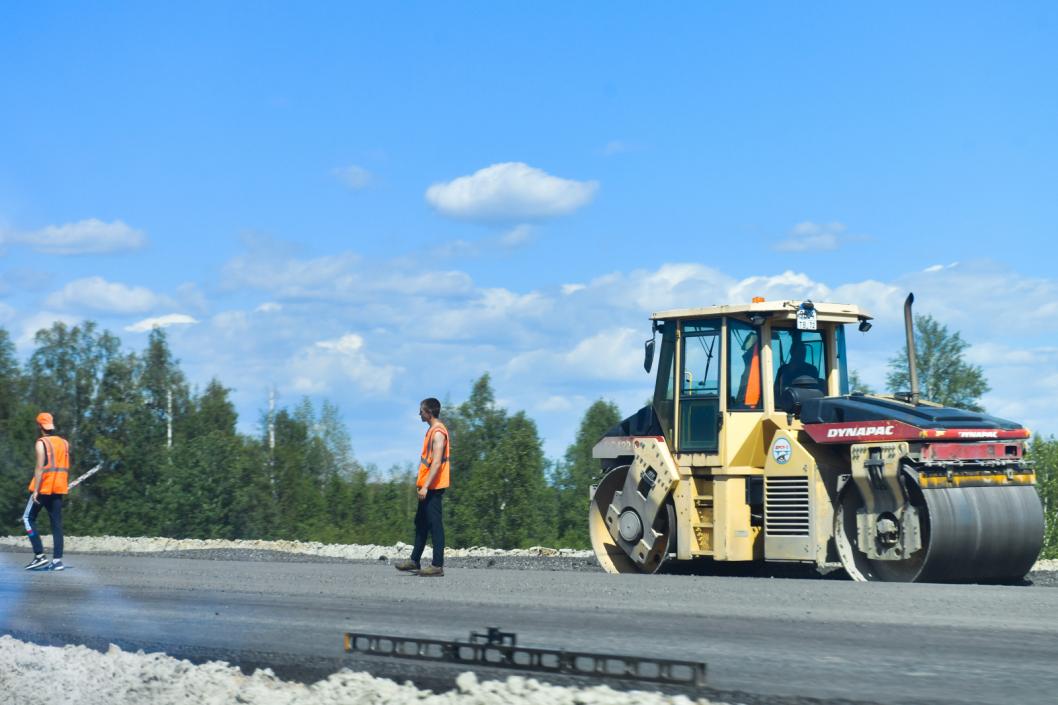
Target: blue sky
(267,172)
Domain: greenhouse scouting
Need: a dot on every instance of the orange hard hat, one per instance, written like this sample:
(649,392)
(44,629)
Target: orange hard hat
(45,420)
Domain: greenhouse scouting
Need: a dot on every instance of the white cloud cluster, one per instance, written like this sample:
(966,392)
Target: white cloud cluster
(171,319)
(813,237)
(354,177)
(510,191)
(349,329)
(323,366)
(96,294)
(89,236)
(341,277)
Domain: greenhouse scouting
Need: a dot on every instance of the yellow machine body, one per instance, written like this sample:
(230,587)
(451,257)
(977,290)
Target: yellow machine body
(720,468)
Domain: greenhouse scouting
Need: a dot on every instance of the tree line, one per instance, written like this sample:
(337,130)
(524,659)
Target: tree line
(178,467)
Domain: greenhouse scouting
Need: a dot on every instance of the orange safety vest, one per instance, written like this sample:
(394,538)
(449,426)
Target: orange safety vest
(56,470)
(753,383)
(441,480)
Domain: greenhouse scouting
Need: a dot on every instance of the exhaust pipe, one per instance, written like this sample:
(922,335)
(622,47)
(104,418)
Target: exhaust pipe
(909,329)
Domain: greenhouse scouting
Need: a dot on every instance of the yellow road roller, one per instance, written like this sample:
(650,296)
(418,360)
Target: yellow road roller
(753,449)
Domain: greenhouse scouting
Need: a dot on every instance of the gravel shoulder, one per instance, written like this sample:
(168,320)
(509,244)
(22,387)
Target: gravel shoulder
(1043,574)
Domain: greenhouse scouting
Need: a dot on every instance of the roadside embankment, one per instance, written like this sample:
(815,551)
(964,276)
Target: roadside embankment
(44,675)
(147,544)
(579,559)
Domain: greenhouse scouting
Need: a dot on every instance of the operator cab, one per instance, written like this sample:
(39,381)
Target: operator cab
(712,368)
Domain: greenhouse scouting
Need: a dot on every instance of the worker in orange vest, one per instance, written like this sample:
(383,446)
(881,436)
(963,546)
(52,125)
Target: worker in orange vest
(430,486)
(49,484)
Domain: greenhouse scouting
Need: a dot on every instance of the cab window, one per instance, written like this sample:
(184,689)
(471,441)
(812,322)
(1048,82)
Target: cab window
(743,382)
(798,355)
(700,387)
(665,387)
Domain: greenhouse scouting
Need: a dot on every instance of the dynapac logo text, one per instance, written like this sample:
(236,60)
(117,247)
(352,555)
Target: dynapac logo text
(857,431)
(978,434)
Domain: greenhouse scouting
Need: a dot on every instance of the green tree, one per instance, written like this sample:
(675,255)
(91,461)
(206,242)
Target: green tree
(575,474)
(63,376)
(212,410)
(1044,454)
(390,507)
(943,375)
(508,493)
(476,426)
(858,385)
(17,431)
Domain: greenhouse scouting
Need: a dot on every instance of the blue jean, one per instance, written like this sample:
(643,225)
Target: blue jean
(53,503)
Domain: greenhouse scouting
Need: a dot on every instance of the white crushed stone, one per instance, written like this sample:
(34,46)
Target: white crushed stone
(146,544)
(44,675)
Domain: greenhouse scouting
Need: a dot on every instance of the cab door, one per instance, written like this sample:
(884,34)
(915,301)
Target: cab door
(699,387)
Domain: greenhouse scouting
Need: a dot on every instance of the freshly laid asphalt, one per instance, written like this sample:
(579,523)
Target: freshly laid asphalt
(764,639)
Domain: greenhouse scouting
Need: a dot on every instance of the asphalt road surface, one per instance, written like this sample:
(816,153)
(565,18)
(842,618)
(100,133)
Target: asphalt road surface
(764,640)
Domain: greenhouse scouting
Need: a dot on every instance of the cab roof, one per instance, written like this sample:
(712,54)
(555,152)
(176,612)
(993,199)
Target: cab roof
(776,310)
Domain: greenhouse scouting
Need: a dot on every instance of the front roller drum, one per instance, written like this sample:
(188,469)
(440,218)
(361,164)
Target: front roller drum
(611,556)
(969,534)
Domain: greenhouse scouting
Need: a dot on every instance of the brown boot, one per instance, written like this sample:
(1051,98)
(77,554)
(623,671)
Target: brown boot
(432,571)
(407,565)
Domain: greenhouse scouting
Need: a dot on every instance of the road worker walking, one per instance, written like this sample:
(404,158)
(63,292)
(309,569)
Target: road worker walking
(430,485)
(47,488)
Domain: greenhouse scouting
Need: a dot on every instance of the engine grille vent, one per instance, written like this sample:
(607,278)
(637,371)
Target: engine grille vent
(786,506)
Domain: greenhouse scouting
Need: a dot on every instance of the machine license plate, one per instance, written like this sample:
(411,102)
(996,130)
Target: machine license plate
(806,319)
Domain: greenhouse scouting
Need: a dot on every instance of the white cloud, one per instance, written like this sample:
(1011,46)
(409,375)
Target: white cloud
(510,191)
(789,285)
(190,296)
(809,236)
(354,177)
(348,328)
(89,236)
(339,278)
(614,354)
(939,267)
(614,147)
(490,313)
(97,294)
(315,369)
(517,236)
(171,319)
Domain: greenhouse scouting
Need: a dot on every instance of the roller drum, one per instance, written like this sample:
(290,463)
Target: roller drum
(982,533)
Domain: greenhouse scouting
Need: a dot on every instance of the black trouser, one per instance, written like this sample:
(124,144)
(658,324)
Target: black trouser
(428,522)
(53,503)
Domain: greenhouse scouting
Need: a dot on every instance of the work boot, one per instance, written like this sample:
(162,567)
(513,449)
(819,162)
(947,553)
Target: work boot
(432,571)
(406,565)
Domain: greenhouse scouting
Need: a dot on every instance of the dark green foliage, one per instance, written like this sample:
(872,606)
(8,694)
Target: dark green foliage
(858,385)
(575,474)
(210,481)
(943,375)
(1044,454)
(506,494)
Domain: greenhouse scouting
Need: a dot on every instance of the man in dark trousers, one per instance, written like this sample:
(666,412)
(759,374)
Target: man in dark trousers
(430,485)
(47,488)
